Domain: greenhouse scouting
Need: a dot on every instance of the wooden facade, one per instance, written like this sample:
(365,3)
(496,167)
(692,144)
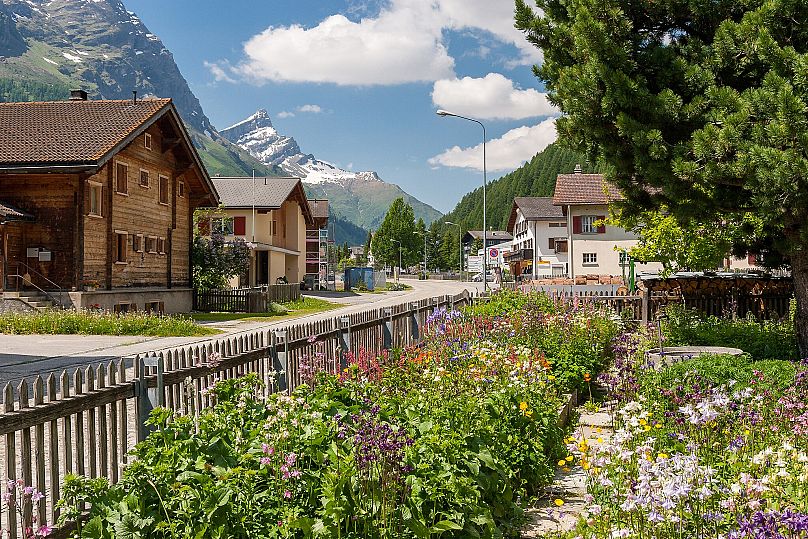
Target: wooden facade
(123,224)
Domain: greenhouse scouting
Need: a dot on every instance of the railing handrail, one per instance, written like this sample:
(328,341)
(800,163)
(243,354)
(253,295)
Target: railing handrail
(29,282)
(29,269)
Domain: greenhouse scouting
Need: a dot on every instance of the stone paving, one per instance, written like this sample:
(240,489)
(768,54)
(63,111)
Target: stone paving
(569,484)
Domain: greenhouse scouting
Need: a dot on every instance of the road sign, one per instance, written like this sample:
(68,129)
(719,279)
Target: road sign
(493,253)
(475,263)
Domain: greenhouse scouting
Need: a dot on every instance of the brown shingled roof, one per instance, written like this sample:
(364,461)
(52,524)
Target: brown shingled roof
(535,209)
(69,132)
(584,189)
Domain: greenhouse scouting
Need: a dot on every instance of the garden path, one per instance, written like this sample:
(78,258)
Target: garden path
(569,484)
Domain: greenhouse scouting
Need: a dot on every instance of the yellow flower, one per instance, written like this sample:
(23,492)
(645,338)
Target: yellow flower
(600,440)
(551,377)
(569,458)
(559,502)
(662,456)
(646,428)
(585,465)
(658,425)
(523,406)
(529,413)
(562,462)
(643,422)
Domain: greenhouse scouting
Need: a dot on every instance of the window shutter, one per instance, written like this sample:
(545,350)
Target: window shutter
(204,227)
(239,226)
(752,259)
(551,243)
(576,224)
(602,228)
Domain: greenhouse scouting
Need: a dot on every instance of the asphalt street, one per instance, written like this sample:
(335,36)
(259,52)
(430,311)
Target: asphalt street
(26,356)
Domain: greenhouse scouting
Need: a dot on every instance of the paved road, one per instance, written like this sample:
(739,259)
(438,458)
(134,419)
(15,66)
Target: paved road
(23,356)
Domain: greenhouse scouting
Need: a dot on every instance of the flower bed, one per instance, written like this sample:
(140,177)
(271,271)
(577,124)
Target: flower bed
(449,439)
(713,447)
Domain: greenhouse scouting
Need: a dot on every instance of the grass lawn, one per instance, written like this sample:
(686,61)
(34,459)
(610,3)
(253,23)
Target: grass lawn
(302,307)
(70,322)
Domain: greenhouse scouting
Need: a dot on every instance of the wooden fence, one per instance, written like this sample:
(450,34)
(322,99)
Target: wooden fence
(88,421)
(245,300)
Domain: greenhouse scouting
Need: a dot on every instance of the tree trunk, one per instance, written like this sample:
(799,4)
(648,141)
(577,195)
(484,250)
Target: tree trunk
(799,270)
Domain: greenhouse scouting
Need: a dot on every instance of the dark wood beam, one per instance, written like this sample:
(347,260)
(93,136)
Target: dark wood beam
(110,239)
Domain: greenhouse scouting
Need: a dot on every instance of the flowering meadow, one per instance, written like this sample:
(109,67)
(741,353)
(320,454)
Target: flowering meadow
(711,447)
(449,439)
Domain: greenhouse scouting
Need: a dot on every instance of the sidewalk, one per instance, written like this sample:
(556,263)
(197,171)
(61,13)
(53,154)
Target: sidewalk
(24,356)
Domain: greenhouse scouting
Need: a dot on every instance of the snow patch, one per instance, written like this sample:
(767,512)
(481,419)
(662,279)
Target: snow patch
(72,57)
(50,61)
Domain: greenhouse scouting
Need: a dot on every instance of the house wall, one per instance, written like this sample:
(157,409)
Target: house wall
(605,246)
(139,212)
(290,234)
(51,199)
(537,236)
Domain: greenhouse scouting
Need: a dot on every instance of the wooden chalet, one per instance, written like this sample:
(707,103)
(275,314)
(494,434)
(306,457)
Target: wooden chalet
(96,203)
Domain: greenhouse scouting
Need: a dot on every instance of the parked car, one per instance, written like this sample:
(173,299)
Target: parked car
(478,278)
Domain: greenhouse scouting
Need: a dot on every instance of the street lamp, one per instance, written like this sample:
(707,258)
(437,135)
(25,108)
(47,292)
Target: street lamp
(445,113)
(399,260)
(424,234)
(459,243)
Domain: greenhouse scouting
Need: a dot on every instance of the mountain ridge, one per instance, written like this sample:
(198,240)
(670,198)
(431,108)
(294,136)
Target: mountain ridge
(363,196)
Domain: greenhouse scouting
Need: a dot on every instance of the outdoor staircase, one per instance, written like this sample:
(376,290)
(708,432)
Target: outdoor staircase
(33,298)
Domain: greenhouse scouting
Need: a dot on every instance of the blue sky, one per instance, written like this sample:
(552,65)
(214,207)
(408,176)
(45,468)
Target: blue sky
(357,83)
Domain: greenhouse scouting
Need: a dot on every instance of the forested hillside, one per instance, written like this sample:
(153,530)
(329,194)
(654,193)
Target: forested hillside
(535,178)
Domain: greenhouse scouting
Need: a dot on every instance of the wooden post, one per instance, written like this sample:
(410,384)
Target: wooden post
(388,329)
(110,236)
(148,398)
(11,459)
(344,342)
(281,358)
(78,245)
(415,333)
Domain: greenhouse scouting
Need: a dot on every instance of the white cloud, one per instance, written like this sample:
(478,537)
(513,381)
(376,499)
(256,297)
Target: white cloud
(286,114)
(495,16)
(506,153)
(493,96)
(402,43)
(218,72)
(314,109)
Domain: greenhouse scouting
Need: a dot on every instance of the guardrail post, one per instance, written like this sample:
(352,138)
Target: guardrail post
(344,342)
(280,359)
(388,329)
(415,330)
(148,398)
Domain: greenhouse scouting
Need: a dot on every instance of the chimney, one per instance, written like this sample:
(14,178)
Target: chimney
(578,169)
(78,95)
(134,97)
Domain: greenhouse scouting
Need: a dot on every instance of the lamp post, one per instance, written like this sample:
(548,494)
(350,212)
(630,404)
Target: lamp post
(399,260)
(459,243)
(424,234)
(445,113)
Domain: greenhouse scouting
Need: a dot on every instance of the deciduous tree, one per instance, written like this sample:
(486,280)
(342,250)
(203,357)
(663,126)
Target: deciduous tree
(398,225)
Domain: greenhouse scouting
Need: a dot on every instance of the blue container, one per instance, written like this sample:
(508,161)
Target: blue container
(353,276)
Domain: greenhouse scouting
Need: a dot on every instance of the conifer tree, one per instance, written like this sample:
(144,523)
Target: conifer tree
(700,107)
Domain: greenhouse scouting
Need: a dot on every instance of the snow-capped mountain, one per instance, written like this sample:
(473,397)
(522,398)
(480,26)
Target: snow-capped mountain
(361,197)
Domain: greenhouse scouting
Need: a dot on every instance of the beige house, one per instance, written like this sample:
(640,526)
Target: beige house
(271,215)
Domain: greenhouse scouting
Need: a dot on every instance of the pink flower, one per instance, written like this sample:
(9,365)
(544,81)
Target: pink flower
(266,461)
(44,531)
(287,494)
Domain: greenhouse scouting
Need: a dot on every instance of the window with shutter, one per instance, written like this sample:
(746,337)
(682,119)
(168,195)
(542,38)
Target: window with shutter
(121,179)
(240,225)
(576,224)
(602,227)
(163,190)
(551,244)
(204,227)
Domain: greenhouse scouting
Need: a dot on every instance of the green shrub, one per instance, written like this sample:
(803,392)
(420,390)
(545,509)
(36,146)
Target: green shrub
(761,340)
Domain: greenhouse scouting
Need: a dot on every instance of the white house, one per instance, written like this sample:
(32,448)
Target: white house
(540,239)
(594,248)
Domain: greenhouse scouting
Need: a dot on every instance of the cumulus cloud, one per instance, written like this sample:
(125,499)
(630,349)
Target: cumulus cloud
(313,109)
(505,153)
(490,97)
(286,114)
(403,42)
(218,72)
